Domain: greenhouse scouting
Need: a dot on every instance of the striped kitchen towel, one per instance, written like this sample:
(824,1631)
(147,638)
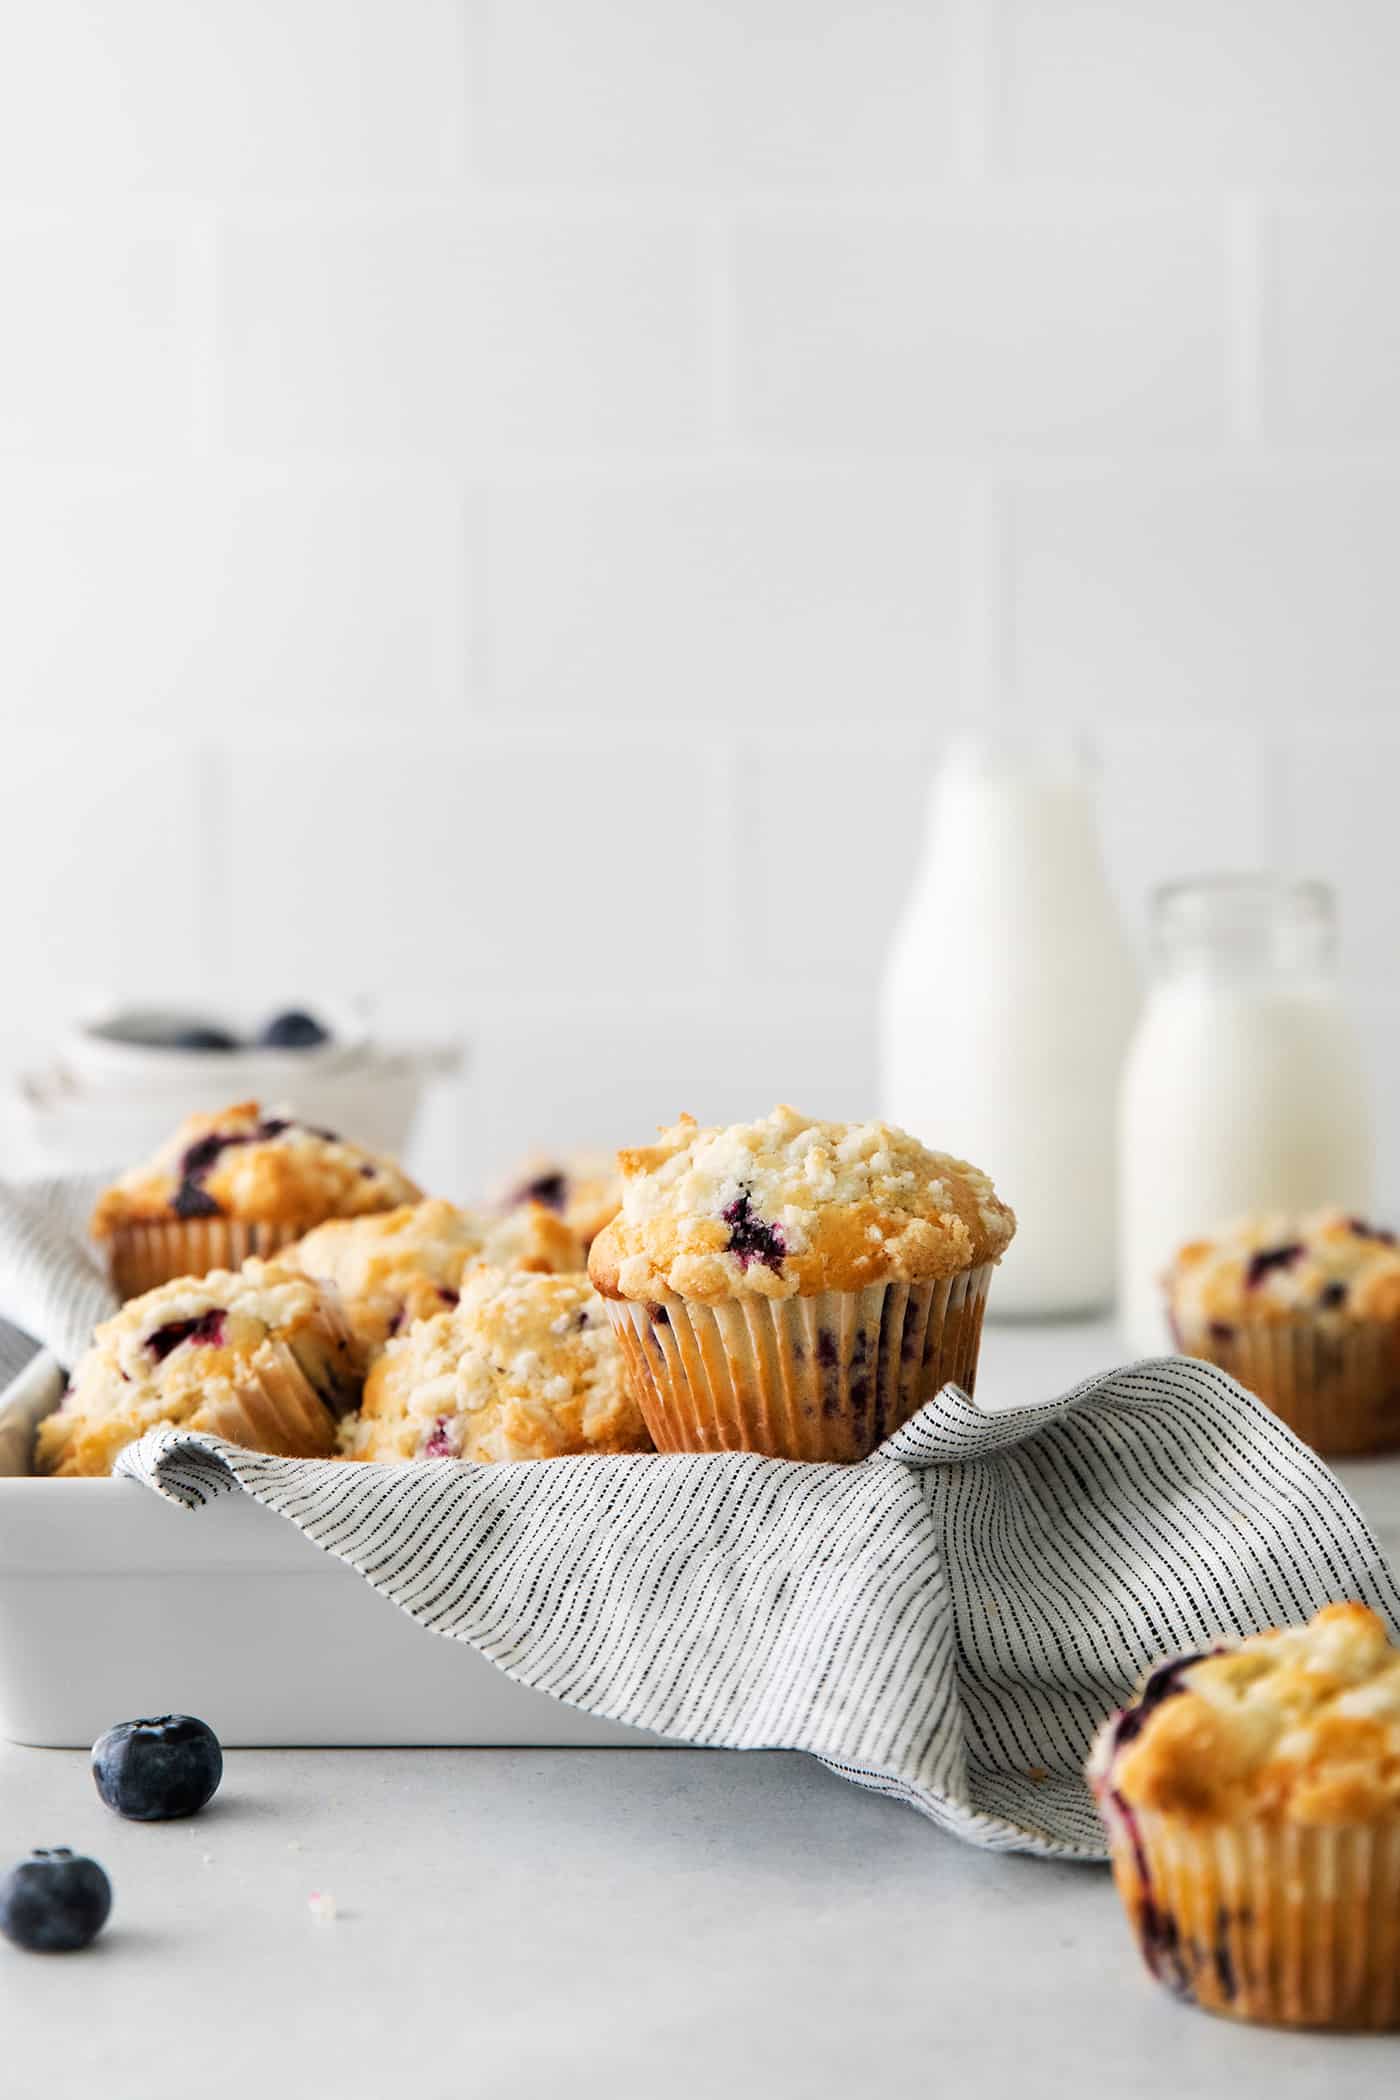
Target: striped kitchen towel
(946,1623)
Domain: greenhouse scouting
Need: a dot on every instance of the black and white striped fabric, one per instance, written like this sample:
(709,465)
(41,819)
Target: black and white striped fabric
(946,1623)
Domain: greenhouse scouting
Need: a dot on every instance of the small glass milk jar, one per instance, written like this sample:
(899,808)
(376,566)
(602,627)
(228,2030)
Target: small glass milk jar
(1244,1089)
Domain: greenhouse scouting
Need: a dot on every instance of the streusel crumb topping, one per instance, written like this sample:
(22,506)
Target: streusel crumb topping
(1300,1725)
(263,1167)
(407,1264)
(1272,1267)
(788,1206)
(182,1356)
(525,1367)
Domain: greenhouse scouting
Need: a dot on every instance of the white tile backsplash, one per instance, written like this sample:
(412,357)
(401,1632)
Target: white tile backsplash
(709,601)
(1196,92)
(712,94)
(1253,597)
(500,500)
(227,605)
(71,286)
(1026,321)
(1330,324)
(173,96)
(441,334)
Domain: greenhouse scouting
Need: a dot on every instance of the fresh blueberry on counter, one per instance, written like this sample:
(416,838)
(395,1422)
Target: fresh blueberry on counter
(152,1770)
(54,1902)
(293,1031)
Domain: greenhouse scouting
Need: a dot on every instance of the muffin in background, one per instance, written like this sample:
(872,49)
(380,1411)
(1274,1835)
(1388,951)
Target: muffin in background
(235,1184)
(524,1367)
(1251,1797)
(1305,1312)
(583,1188)
(261,1355)
(795,1287)
(407,1264)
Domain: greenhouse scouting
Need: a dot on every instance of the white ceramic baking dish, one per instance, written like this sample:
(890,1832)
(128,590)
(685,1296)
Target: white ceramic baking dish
(115,1603)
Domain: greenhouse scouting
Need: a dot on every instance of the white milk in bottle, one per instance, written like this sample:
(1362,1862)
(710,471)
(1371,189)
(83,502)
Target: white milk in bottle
(1006,1006)
(1244,1089)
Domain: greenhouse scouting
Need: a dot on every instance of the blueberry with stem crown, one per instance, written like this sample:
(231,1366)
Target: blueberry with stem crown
(54,1902)
(153,1770)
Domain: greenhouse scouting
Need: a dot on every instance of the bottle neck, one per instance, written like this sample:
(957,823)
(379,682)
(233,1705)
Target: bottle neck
(1245,929)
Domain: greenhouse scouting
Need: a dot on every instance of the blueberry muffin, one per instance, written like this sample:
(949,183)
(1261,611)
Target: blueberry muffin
(795,1287)
(525,1366)
(407,1264)
(1252,1801)
(1306,1313)
(233,1184)
(260,1355)
(582,1187)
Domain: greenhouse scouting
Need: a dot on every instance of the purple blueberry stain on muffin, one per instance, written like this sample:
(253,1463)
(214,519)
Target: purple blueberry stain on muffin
(751,1237)
(1221,1331)
(439,1444)
(206,1331)
(1268,1259)
(192,1199)
(1161,1939)
(448,1296)
(1364,1231)
(1332,1295)
(551,1189)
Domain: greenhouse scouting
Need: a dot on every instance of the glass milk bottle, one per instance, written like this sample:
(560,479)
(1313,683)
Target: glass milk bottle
(1007,1002)
(1244,1088)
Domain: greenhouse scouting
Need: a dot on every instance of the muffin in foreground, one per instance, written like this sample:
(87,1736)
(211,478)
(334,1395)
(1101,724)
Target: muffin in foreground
(583,1188)
(261,1355)
(524,1367)
(1252,1801)
(1306,1313)
(407,1264)
(231,1185)
(795,1287)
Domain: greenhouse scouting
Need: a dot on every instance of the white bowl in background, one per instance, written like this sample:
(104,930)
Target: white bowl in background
(98,1058)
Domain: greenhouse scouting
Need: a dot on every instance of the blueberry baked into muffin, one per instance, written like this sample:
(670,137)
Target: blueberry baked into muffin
(583,1188)
(1252,1801)
(407,1264)
(233,1184)
(260,1355)
(1306,1313)
(525,1366)
(795,1287)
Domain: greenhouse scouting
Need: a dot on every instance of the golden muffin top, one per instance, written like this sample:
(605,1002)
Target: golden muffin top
(223,1352)
(524,1367)
(407,1264)
(1301,1724)
(267,1169)
(583,1188)
(787,1206)
(1275,1267)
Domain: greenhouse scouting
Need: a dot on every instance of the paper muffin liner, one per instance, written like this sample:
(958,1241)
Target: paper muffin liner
(827,1377)
(142,1256)
(1287,1925)
(274,1408)
(1336,1385)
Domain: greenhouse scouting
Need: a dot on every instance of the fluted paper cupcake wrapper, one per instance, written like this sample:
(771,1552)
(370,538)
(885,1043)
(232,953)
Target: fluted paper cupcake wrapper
(143,1256)
(1282,1924)
(275,1408)
(1336,1386)
(823,1378)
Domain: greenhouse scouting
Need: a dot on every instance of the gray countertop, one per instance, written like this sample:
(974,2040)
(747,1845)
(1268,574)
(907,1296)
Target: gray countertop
(618,1922)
